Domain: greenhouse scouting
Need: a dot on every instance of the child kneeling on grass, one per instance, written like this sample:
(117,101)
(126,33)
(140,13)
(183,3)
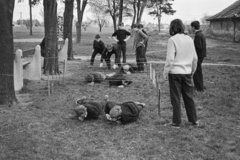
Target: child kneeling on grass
(123,113)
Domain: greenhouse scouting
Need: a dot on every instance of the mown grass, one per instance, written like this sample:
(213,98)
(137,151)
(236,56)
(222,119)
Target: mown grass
(44,129)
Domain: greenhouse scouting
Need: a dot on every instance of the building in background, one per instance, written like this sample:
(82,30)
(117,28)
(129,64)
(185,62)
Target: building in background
(226,24)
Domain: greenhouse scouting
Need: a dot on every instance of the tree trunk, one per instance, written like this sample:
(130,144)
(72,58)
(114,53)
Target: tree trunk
(51,40)
(30,8)
(114,16)
(80,12)
(134,12)
(140,11)
(120,11)
(7,93)
(159,11)
(114,23)
(67,26)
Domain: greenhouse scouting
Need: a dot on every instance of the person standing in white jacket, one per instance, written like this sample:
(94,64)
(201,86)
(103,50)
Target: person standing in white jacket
(181,63)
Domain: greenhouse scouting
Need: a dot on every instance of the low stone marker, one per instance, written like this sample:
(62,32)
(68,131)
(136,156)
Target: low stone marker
(33,70)
(18,70)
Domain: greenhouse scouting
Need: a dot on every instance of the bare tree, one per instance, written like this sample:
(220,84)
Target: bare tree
(100,17)
(86,24)
(7,93)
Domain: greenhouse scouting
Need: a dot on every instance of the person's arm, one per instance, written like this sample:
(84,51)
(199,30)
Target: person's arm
(114,36)
(195,59)
(169,58)
(104,54)
(128,35)
(198,42)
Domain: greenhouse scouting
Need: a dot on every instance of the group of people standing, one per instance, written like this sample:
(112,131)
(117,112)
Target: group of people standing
(183,66)
(121,36)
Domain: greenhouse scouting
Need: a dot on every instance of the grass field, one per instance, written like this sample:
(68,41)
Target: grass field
(43,129)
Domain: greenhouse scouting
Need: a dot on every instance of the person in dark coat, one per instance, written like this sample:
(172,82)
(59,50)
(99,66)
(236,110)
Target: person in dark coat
(124,113)
(98,47)
(118,79)
(87,108)
(121,36)
(97,77)
(140,26)
(200,46)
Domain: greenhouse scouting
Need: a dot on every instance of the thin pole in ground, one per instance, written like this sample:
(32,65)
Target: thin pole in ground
(159,91)
(48,84)
(154,78)
(63,69)
(150,71)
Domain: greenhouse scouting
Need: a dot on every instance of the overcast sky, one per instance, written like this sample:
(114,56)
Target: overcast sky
(187,10)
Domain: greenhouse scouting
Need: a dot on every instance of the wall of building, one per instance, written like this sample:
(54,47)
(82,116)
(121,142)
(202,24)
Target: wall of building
(224,29)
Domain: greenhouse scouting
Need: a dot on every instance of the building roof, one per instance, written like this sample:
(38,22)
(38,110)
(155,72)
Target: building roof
(227,13)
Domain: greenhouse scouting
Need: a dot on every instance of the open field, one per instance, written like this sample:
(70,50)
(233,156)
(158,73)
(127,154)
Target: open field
(43,129)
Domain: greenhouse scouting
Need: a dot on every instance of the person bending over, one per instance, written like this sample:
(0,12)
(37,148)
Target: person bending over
(107,53)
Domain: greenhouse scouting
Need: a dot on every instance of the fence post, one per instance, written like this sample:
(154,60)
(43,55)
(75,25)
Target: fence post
(150,71)
(159,96)
(154,78)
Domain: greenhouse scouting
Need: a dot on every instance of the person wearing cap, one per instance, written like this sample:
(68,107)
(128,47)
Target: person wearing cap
(98,47)
(138,45)
(88,108)
(107,53)
(121,36)
(123,113)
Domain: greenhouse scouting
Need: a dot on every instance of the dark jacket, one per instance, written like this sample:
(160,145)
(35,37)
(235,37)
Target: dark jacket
(94,109)
(118,79)
(121,34)
(94,77)
(200,44)
(99,46)
(130,111)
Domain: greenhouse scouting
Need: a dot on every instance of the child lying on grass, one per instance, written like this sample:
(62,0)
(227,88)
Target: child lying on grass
(123,113)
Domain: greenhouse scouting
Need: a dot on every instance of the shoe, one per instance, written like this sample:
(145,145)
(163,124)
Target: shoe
(195,124)
(174,125)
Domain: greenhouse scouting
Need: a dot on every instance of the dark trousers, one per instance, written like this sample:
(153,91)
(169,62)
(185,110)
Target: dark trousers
(144,52)
(121,50)
(140,58)
(95,52)
(198,76)
(181,84)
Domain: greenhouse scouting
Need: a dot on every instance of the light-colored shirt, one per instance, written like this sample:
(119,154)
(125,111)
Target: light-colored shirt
(181,55)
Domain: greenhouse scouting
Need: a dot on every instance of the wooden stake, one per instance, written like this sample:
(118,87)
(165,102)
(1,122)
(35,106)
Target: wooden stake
(48,85)
(154,78)
(159,96)
(150,71)
(63,69)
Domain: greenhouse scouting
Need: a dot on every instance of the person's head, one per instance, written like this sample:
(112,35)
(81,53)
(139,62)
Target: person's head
(115,112)
(195,25)
(140,26)
(120,25)
(109,47)
(102,75)
(135,27)
(176,26)
(97,37)
(81,112)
